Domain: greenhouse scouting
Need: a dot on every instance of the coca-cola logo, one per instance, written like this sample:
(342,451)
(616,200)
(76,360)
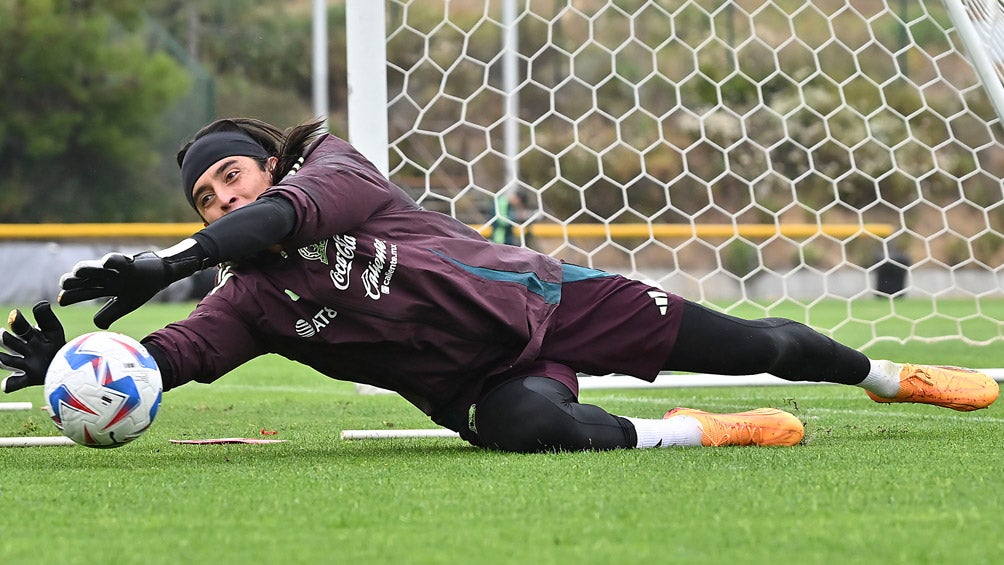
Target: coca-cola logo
(345,252)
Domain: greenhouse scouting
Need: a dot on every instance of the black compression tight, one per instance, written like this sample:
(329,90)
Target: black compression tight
(531,414)
(712,342)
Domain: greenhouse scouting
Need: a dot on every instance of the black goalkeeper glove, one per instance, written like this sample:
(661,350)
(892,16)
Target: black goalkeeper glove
(130,281)
(35,347)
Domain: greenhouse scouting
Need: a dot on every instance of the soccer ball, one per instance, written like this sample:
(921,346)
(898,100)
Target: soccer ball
(103,389)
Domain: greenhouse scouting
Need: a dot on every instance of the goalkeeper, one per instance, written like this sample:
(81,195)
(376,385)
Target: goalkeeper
(326,262)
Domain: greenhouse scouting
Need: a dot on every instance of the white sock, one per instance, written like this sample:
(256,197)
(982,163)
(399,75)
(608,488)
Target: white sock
(675,432)
(882,379)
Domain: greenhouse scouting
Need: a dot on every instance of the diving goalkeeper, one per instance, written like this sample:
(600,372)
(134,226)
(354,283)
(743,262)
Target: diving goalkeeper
(326,262)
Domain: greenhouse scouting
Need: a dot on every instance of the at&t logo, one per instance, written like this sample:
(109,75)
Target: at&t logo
(320,320)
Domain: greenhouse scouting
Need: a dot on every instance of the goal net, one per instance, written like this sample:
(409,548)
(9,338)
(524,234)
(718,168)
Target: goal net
(838,162)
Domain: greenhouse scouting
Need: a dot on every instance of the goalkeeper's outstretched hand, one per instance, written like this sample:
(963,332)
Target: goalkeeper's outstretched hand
(29,350)
(129,281)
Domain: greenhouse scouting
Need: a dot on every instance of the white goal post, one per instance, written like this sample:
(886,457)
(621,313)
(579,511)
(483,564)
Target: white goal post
(838,162)
(980,24)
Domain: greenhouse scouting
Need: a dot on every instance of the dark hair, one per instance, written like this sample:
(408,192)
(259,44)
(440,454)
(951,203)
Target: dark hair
(288,146)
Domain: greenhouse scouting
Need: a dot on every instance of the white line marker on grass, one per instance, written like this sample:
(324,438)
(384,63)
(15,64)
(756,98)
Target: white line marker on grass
(48,441)
(386,434)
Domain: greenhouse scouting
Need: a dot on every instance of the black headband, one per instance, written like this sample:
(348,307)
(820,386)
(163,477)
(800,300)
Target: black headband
(209,149)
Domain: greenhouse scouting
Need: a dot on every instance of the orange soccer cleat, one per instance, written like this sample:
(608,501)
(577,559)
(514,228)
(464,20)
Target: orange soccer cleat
(951,387)
(763,426)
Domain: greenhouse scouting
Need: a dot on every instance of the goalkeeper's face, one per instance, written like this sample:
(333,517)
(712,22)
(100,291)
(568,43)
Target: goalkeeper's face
(229,184)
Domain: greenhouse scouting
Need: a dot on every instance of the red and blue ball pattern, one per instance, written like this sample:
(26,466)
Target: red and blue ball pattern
(103,389)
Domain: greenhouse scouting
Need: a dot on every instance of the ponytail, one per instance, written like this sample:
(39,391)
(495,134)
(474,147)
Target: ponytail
(294,144)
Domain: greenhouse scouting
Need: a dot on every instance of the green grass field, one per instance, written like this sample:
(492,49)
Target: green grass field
(871,484)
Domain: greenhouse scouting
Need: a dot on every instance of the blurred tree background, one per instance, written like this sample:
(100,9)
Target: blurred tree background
(99,95)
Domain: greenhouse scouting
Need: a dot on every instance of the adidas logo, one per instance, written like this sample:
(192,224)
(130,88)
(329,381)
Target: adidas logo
(661,300)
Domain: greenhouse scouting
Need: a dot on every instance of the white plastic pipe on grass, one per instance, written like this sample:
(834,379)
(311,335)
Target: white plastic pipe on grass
(47,441)
(385,434)
(13,406)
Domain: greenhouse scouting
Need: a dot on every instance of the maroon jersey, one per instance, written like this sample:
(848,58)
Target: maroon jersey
(373,289)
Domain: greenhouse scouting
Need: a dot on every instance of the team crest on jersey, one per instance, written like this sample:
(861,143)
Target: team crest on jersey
(315,252)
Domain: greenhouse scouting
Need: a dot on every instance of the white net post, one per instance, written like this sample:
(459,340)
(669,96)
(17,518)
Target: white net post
(980,24)
(366,56)
(771,158)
